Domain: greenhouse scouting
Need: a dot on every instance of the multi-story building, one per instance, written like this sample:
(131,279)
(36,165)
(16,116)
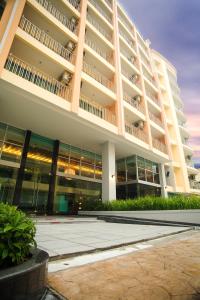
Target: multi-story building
(88,110)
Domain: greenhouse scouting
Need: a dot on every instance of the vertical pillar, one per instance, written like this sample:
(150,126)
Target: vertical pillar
(20,175)
(52,181)
(76,81)
(163,181)
(109,177)
(118,79)
(143,90)
(8,26)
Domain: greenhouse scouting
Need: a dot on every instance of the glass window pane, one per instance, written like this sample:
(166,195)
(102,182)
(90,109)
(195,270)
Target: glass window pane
(148,165)
(121,170)
(140,162)
(15,135)
(11,152)
(8,177)
(2,131)
(98,173)
(74,167)
(149,176)
(64,150)
(141,174)
(156,178)
(63,164)
(87,169)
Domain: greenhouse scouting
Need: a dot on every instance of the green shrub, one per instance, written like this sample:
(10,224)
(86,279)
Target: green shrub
(17,234)
(145,203)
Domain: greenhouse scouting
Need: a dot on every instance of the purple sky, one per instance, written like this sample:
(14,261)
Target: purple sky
(173,26)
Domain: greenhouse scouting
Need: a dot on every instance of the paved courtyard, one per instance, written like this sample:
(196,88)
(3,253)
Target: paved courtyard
(65,236)
(169,270)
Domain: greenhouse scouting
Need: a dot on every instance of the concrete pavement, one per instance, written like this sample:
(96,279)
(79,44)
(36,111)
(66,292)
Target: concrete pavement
(169,270)
(64,236)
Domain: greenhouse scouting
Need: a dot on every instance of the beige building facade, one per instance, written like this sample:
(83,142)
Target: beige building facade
(87,109)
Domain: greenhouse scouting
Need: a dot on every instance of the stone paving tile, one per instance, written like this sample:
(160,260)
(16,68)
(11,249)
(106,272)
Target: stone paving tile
(166,271)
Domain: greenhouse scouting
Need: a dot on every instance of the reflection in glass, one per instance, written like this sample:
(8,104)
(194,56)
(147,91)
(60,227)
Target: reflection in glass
(35,185)
(8,177)
(70,194)
(11,143)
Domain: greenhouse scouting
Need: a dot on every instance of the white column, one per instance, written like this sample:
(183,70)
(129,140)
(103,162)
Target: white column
(108,168)
(163,182)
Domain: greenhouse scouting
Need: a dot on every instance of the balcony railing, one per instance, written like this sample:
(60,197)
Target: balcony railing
(30,73)
(91,71)
(131,78)
(108,3)
(129,41)
(97,110)
(148,76)
(134,103)
(75,3)
(195,185)
(46,39)
(137,132)
(152,96)
(102,12)
(159,145)
(124,22)
(144,59)
(107,35)
(103,54)
(58,15)
(155,119)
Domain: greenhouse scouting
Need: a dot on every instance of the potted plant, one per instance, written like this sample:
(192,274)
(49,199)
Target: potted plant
(23,267)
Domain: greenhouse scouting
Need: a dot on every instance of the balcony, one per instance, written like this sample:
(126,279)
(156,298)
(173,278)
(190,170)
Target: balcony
(130,42)
(152,96)
(35,76)
(195,185)
(128,27)
(91,71)
(149,76)
(102,12)
(70,24)
(97,109)
(159,145)
(144,59)
(106,56)
(107,35)
(134,78)
(136,132)
(75,4)
(46,39)
(133,103)
(108,3)
(155,119)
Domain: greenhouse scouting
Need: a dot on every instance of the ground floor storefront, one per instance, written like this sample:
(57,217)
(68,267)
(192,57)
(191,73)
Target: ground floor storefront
(43,175)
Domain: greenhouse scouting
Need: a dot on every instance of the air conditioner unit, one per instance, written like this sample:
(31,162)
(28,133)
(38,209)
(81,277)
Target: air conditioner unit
(66,77)
(139,124)
(73,20)
(134,78)
(132,59)
(188,157)
(137,99)
(70,46)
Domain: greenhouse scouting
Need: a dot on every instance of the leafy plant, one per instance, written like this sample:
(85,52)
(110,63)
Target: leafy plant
(145,203)
(17,233)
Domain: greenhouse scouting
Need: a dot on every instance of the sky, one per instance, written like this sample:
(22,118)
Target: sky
(173,27)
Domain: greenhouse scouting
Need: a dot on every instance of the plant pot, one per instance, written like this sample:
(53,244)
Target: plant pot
(26,281)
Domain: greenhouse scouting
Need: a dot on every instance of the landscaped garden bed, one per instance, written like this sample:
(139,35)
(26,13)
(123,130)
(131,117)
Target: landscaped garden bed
(144,203)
